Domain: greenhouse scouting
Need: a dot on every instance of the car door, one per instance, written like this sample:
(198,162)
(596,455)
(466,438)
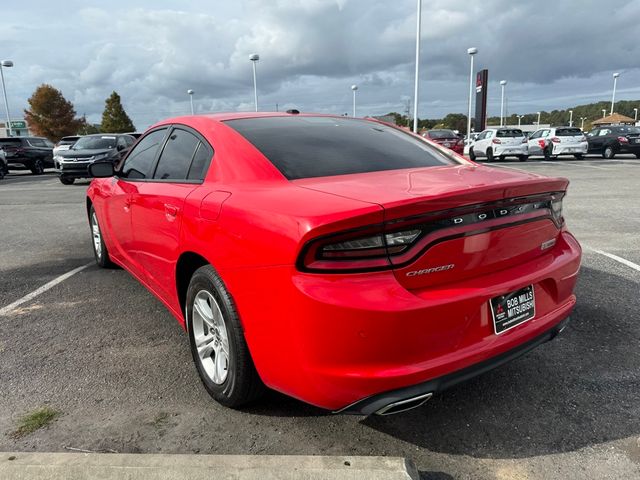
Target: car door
(535,143)
(600,139)
(120,192)
(479,147)
(159,202)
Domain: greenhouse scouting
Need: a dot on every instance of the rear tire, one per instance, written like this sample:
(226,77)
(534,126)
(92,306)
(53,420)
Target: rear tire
(100,251)
(217,341)
(548,153)
(490,156)
(637,155)
(579,156)
(523,158)
(66,180)
(37,168)
(501,158)
(608,152)
(472,155)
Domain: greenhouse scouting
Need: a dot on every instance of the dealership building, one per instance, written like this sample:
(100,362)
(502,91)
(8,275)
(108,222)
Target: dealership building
(19,128)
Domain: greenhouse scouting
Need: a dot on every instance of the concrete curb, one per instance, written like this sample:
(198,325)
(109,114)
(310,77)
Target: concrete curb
(76,466)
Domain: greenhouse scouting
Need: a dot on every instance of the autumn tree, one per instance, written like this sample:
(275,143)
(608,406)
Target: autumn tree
(114,118)
(51,115)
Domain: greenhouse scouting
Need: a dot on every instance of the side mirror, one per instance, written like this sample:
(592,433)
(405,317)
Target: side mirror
(101,170)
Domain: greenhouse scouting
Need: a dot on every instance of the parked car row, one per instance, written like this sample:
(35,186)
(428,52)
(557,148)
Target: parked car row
(70,156)
(553,142)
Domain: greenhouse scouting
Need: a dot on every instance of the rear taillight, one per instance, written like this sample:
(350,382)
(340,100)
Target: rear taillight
(623,139)
(556,140)
(398,242)
(496,141)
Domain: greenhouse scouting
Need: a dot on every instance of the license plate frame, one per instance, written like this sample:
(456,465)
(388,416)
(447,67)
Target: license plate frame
(512,309)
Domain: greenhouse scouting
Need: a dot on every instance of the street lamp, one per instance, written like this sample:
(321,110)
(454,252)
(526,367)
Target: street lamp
(613,98)
(254,57)
(7,64)
(191,92)
(417,79)
(471,51)
(354,88)
(520,117)
(571,118)
(538,113)
(635,118)
(604,112)
(503,83)
(582,119)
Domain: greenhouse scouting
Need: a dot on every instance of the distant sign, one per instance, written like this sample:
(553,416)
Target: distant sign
(18,124)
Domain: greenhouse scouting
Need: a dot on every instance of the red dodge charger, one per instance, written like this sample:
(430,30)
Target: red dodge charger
(343,262)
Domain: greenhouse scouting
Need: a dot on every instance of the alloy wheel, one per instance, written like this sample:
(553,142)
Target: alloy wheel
(96,235)
(211,337)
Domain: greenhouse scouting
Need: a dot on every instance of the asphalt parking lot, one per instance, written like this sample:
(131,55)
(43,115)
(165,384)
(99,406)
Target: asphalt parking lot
(105,353)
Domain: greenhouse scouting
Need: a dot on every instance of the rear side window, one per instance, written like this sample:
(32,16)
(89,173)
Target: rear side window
(139,162)
(306,147)
(176,157)
(200,162)
(10,142)
(568,132)
(511,133)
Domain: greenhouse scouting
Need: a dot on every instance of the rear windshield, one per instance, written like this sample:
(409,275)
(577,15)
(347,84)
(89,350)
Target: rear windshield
(95,143)
(509,133)
(437,134)
(306,147)
(568,132)
(627,130)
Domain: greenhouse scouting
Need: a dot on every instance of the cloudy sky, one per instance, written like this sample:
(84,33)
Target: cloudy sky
(554,54)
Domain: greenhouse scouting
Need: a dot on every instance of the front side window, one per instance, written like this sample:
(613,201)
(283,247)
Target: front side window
(139,163)
(176,156)
(307,147)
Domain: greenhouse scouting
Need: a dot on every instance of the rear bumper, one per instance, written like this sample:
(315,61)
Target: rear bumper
(575,149)
(517,150)
(629,148)
(377,403)
(338,340)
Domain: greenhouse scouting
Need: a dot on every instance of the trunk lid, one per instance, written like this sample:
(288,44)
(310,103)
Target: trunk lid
(434,198)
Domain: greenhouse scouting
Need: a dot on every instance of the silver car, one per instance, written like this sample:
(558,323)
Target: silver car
(553,142)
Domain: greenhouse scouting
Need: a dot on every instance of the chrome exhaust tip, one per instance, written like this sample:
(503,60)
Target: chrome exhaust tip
(404,405)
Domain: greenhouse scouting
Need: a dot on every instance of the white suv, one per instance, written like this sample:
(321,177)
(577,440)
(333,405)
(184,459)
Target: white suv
(552,142)
(500,142)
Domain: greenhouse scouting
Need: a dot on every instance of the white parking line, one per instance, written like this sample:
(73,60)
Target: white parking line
(621,260)
(4,311)
(573,164)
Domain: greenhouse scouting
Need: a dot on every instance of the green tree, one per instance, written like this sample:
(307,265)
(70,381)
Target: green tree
(455,121)
(114,118)
(50,114)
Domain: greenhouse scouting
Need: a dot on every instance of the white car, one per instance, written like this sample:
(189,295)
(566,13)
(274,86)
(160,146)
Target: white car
(500,142)
(65,143)
(552,142)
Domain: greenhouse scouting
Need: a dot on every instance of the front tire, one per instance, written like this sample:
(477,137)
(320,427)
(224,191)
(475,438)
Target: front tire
(100,252)
(217,341)
(37,168)
(66,180)
(608,153)
(472,155)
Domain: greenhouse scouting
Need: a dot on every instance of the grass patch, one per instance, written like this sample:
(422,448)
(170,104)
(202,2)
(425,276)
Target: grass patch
(35,420)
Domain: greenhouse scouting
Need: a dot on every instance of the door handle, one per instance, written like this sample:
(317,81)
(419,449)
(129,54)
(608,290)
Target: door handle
(171,211)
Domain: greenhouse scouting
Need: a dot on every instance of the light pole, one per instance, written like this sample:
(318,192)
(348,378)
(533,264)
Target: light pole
(604,112)
(354,88)
(582,119)
(520,117)
(635,118)
(191,92)
(503,83)
(8,64)
(613,98)
(571,118)
(538,113)
(417,79)
(254,57)
(471,51)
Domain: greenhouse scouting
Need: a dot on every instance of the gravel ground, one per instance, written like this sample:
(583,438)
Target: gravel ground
(103,351)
